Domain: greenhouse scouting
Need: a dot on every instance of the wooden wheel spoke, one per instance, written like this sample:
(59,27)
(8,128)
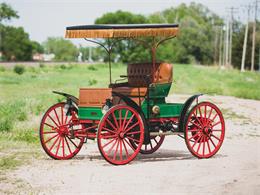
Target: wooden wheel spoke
(126,151)
(195,124)
(133,133)
(50,138)
(120,149)
(202,138)
(49,132)
(208,146)
(212,141)
(123,125)
(193,136)
(129,144)
(58,148)
(196,141)
(53,120)
(111,148)
(155,140)
(49,125)
(110,123)
(115,153)
(109,130)
(210,112)
(197,119)
(61,110)
(135,140)
(131,118)
(151,145)
(72,142)
(57,117)
(120,118)
(131,127)
(216,124)
(54,142)
(108,143)
(215,137)
(115,120)
(108,136)
(68,145)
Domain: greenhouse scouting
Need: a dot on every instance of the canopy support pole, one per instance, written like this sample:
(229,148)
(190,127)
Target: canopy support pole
(108,50)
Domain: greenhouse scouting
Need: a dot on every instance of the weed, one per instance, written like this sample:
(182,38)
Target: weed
(2,69)
(8,162)
(92,68)
(19,69)
(92,82)
(42,65)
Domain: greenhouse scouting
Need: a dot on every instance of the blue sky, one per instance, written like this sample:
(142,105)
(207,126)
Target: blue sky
(44,18)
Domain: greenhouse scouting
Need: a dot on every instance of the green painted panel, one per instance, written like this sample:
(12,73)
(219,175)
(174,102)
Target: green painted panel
(166,109)
(91,113)
(159,90)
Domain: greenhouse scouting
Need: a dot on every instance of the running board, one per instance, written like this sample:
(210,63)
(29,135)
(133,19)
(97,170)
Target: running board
(165,133)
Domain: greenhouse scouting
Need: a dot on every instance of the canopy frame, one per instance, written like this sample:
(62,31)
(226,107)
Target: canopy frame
(112,41)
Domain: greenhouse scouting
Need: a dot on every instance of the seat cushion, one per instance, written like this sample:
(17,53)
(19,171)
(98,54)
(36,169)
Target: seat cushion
(131,91)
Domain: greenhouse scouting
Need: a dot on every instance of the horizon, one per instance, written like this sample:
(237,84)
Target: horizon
(40,26)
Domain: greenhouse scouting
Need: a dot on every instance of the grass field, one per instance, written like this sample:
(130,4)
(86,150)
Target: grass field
(25,97)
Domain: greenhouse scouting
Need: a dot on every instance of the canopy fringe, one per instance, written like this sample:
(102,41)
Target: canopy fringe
(121,33)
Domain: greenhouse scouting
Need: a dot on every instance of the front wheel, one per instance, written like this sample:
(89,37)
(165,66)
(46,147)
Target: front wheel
(118,127)
(56,135)
(204,130)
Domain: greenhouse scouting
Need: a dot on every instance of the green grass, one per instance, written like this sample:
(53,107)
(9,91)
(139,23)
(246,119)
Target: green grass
(25,97)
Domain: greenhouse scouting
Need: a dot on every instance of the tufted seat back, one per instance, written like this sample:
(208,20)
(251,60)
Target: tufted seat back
(136,74)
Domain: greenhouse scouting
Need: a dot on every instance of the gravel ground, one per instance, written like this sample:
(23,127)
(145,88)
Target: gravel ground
(235,169)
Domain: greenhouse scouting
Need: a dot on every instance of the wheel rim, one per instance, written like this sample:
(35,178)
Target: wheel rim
(152,146)
(118,126)
(204,130)
(55,133)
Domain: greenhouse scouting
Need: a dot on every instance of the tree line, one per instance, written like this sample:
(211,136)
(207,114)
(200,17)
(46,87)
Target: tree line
(199,41)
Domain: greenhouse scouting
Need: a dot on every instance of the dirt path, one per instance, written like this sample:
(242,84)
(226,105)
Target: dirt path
(171,170)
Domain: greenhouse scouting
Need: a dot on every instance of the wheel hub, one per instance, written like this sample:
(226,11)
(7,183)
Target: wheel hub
(121,135)
(63,130)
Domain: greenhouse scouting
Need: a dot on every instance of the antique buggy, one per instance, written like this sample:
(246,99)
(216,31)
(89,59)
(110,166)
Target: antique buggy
(130,117)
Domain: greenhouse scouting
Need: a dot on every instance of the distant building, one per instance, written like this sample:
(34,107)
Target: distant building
(43,57)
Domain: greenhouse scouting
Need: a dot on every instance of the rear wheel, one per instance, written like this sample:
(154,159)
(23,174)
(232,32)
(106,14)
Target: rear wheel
(56,135)
(152,146)
(120,125)
(204,130)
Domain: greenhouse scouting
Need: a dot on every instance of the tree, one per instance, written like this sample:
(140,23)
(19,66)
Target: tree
(64,50)
(129,51)
(7,13)
(195,43)
(15,44)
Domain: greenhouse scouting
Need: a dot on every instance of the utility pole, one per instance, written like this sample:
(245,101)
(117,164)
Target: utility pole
(220,46)
(227,43)
(245,40)
(253,38)
(232,12)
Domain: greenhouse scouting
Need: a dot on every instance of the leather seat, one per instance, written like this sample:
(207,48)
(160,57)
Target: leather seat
(137,78)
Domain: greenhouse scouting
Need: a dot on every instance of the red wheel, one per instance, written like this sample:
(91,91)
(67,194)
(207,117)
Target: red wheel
(204,130)
(55,133)
(155,143)
(117,127)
